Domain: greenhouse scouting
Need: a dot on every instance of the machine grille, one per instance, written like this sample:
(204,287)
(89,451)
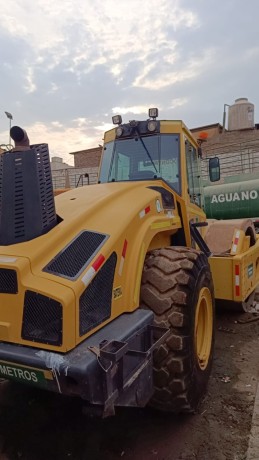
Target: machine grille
(8,281)
(95,302)
(70,262)
(25,215)
(42,319)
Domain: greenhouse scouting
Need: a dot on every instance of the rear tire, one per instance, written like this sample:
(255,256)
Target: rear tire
(177,286)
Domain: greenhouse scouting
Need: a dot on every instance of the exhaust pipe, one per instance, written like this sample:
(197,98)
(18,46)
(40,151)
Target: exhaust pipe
(20,138)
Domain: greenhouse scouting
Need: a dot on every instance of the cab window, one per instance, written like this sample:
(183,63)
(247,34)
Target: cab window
(193,173)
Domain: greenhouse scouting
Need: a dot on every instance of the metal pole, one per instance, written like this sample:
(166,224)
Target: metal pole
(9,115)
(224,117)
(10,131)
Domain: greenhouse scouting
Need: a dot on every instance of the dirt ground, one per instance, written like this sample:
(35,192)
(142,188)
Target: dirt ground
(37,425)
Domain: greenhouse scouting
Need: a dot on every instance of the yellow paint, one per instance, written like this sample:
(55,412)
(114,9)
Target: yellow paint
(47,374)
(161,240)
(223,273)
(117,293)
(246,259)
(221,268)
(110,135)
(203,327)
(139,272)
(164,224)
(4,331)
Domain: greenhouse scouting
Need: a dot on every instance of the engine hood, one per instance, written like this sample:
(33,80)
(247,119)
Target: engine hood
(105,208)
(91,262)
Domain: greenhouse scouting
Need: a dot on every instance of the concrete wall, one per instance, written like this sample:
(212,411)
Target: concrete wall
(85,162)
(73,177)
(57,163)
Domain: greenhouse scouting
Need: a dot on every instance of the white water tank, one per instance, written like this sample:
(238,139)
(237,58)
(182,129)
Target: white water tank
(56,160)
(241,115)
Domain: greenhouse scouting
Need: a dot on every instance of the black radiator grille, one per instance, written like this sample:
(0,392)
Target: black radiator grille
(42,319)
(8,281)
(95,302)
(70,262)
(27,206)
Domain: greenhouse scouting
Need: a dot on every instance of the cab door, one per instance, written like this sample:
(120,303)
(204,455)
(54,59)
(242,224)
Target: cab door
(193,169)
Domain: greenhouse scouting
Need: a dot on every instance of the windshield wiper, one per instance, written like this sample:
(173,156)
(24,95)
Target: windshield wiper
(146,150)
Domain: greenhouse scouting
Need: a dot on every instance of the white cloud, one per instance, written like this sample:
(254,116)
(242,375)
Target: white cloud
(53,87)
(187,69)
(30,86)
(105,32)
(178,102)
(135,109)
(104,127)
(13,26)
(63,141)
(56,124)
(253,52)
(68,65)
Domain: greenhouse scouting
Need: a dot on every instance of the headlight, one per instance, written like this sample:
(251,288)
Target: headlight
(152,125)
(119,131)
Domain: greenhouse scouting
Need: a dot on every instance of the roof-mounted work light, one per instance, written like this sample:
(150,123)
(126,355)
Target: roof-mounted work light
(119,131)
(152,126)
(117,120)
(153,113)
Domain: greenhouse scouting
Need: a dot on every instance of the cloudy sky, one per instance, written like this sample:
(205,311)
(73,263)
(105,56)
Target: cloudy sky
(67,66)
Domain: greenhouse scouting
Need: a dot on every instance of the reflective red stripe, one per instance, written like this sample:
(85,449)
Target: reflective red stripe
(124,248)
(237,280)
(147,209)
(99,261)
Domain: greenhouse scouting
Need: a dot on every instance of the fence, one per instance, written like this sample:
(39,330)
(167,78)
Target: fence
(235,159)
(74,177)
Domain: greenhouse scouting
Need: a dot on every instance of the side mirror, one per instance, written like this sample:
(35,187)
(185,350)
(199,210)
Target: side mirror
(214,169)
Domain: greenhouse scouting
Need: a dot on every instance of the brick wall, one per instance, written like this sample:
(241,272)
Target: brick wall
(211,131)
(231,141)
(238,152)
(89,158)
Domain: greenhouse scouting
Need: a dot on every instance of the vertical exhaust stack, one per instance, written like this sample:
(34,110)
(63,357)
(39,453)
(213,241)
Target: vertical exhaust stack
(27,207)
(20,138)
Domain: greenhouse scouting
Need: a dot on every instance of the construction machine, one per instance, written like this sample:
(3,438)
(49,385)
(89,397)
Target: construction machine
(106,291)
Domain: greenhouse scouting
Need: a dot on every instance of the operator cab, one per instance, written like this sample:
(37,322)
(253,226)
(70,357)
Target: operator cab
(140,151)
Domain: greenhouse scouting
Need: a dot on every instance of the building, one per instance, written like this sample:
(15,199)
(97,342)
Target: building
(207,132)
(84,171)
(89,158)
(237,147)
